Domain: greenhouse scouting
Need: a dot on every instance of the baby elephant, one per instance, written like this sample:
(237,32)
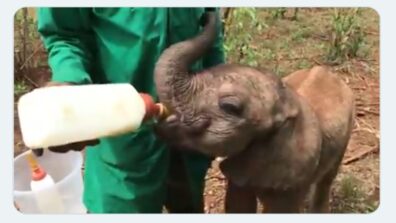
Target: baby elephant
(304,149)
(278,137)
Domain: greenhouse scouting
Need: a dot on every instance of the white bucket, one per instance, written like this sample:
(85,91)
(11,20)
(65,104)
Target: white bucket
(65,169)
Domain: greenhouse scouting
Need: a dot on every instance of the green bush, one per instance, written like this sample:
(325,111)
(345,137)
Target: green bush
(239,34)
(278,13)
(346,38)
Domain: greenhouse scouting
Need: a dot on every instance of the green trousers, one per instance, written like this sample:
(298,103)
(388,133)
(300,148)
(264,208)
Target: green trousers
(123,176)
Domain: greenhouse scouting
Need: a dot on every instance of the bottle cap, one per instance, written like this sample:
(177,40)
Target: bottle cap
(38,173)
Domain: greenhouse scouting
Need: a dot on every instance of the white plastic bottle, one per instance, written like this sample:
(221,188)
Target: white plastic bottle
(48,199)
(60,115)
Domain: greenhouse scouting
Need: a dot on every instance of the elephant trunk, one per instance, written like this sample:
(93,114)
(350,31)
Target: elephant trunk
(174,82)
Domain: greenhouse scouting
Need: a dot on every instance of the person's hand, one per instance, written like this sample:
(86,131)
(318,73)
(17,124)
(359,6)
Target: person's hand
(77,146)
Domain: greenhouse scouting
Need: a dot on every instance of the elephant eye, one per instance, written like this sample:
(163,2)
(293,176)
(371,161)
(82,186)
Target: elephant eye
(231,105)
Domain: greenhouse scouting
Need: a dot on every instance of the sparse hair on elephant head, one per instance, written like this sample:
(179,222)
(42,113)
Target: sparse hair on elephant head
(221,110)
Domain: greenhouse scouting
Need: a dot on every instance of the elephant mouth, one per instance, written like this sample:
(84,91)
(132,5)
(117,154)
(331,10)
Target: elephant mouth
(191,125)
(179,128)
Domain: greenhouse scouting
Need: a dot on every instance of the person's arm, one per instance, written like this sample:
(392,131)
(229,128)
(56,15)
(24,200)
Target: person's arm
(216,55)
(66,35)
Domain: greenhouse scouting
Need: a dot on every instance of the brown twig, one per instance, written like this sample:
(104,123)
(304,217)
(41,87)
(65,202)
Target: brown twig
(227,21)
(298,58)
(362,104)
(226,13)
(324,37)
(25,32)
(317,61)
(36,50)
(366,124)
(216,177)
(363,111)
(363,79)
(359,88)
(372,112)
(360,155)
(371,32)
(30,81)
(372,131)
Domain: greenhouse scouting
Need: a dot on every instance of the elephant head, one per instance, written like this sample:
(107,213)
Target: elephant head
(221,110)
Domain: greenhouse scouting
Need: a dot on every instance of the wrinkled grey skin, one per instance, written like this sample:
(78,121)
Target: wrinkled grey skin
(279,137)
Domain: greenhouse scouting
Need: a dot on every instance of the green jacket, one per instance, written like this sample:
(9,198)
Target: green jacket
(116,45)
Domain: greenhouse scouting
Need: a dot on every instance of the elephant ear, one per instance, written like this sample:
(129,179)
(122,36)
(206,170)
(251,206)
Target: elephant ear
(286,106)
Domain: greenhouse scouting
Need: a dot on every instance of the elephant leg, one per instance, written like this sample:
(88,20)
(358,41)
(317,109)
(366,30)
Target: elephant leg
(240,199)
(179,197)
(282,202)
(321,197)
